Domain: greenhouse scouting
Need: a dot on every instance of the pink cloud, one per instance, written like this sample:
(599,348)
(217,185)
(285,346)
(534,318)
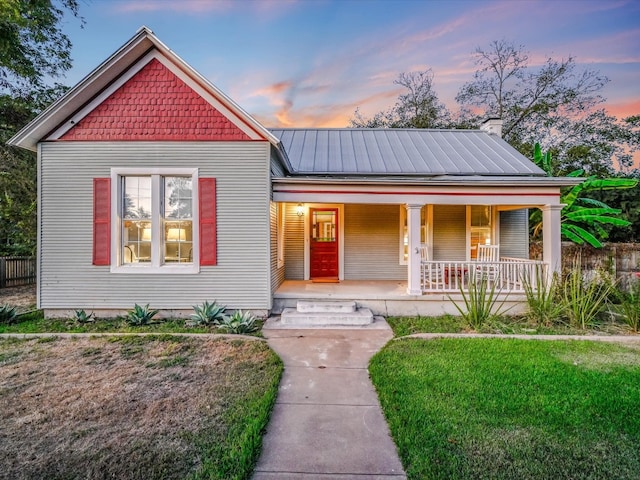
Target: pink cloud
(323,115)
(273,89)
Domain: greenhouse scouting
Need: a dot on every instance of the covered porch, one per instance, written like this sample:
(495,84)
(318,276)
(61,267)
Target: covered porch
(418,247)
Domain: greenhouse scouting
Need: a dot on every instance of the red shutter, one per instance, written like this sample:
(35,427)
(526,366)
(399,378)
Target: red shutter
(207,203)
(101,221)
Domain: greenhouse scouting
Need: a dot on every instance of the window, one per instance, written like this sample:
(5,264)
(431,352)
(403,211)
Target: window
(155,228)
(480,227)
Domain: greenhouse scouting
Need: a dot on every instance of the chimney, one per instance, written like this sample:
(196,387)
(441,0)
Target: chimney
(492,126)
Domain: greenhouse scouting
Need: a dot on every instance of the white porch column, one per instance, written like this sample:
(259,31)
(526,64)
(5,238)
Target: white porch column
(413,262)
(551,238)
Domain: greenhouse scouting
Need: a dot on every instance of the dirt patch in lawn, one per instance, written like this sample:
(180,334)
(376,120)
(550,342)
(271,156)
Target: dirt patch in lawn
(127,407)
(24,298)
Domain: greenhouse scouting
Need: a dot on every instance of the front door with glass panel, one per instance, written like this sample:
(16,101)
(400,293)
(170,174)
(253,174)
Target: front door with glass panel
(324,243)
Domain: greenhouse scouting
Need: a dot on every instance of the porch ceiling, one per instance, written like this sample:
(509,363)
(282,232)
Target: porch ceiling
(500,193)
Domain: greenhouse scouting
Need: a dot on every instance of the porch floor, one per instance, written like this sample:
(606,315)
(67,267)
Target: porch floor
(344,290)
(382,297)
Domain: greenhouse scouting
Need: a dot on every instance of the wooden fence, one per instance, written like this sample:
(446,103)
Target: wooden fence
(16,271)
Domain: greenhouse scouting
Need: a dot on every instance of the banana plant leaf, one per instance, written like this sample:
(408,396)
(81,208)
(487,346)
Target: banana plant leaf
(593,183)
(606,210)
(593,219)
(592,202)
(579,235)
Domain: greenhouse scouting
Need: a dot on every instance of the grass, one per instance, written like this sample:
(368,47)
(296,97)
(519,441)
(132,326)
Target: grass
(153,407)
(506,325)
(36,323)
(511,409)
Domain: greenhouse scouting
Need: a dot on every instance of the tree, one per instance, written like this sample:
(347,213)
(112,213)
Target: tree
(555,104)
(526,98)
(32,44)
(418,107)
(583,219)
(17,182)
(33,49)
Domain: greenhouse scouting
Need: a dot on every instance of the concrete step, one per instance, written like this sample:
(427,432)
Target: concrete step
(321,306)
(291,316)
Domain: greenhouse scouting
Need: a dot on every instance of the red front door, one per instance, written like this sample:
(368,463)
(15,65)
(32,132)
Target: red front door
(324,242)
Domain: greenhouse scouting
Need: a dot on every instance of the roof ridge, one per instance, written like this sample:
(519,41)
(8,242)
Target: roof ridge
(379,129)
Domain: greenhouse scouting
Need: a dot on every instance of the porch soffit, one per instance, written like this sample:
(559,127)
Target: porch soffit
(479,193)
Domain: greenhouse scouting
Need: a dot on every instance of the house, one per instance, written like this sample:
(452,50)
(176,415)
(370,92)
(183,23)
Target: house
(155,187)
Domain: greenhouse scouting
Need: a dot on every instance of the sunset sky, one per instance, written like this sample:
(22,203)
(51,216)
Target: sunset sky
(311,63)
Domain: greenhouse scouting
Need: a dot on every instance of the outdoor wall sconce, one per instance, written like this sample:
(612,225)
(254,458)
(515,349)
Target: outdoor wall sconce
(300,210)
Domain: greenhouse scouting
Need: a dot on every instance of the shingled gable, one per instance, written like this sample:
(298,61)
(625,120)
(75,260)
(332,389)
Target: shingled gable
(155,104)
(143,90)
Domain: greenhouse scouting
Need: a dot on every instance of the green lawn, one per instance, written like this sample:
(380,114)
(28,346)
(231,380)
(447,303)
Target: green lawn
(509,325)
(512,409)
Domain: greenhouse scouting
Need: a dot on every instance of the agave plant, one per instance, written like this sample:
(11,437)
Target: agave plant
(8,314)
(583,218)
(239,322)
(206,314)
(83,317)
(140,315)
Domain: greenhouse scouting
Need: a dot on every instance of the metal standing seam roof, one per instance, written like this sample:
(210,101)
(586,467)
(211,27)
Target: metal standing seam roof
(406,152)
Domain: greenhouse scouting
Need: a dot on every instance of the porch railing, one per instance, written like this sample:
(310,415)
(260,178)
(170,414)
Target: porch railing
(507,274)
(15,271)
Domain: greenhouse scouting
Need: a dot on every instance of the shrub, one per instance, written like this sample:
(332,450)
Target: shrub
(140,315)
(542,298)
(480,302)
(82,317)
(239,323)
(206,314)
(629,305)
(8,314)
(583,300)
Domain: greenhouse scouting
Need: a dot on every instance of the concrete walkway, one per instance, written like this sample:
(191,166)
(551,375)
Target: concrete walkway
(327,421)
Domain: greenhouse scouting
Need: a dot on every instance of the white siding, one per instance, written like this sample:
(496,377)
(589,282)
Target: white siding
(372,243)
(514,233)
(294,244)
(449,232)
(277,274)
(241,278)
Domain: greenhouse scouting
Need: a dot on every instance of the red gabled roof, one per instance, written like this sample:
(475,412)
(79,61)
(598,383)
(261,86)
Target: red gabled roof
(155,105)
(81,107)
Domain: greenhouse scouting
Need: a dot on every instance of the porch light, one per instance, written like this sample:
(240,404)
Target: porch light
(300,210)
(487,241)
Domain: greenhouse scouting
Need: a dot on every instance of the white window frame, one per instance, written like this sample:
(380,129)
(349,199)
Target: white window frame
(492,227)
(156,265)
